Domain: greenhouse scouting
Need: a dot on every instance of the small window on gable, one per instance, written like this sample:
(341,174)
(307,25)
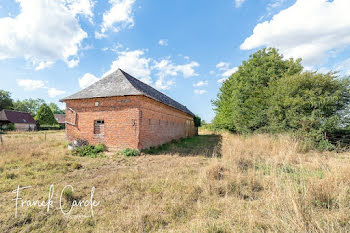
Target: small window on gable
(99,127)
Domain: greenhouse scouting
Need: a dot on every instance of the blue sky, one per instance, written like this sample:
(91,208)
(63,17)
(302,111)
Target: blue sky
(50,49)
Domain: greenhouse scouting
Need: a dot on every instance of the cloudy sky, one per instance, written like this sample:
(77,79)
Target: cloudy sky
(186,49)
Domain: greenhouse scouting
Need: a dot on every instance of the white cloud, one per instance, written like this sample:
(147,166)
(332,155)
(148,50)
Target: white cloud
(311,29)
(83,7)
(199,92)
(343,67)
(238,3)
(87,80)
(44,31)
(119,16)
(226,70)
(133,62)
(188,69)
(221,80)
(166,68)
(323,70)
(229,72)
(222,65)
(163,42)
(43,64)
(163,84)
(201,83)
(53,92)
(31,85)
(138,65)
(274,4)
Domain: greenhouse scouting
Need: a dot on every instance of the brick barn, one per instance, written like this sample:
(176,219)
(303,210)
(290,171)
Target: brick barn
(123,112)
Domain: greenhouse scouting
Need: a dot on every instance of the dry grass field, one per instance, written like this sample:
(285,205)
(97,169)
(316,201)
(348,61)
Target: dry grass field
(209,183)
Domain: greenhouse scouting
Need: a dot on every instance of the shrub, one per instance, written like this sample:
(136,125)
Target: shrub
(9,127)
(129,152)
(89,151)
(68,195)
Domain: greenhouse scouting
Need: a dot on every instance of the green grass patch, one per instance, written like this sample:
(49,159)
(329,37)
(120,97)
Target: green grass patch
(129,152)
(206,145)
(89,151)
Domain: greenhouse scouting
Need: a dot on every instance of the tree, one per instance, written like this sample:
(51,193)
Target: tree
(309,103)
(45,116)
(243,101)
(5,100)
(28,105)
(197,121)
(55,109)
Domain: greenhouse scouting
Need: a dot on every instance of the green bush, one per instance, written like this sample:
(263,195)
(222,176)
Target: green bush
(129,152)
(9,127)
(89,151)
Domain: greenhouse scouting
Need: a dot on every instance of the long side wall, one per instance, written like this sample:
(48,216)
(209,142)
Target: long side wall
(25,127)
(161,123)
(120,115)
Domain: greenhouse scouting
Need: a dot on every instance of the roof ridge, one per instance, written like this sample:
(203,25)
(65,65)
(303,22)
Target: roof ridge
(120,83)
(128,77)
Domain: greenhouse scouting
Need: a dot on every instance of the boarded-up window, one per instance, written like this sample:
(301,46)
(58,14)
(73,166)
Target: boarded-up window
(99,127)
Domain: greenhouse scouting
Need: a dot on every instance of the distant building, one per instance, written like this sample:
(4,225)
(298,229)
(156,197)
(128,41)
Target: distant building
(23,121)
(61,119)
(123,112)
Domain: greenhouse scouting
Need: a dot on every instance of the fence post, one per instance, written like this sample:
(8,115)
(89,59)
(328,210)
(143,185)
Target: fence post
(2,142)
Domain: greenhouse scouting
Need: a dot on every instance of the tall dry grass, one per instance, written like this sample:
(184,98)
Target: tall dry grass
(260,183)
(26,146)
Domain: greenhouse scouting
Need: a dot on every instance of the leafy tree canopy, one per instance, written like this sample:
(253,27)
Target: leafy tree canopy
(28,105)
(243,99)
(45,116)
(197,121)
(5,100)
(55,109)
(271,94)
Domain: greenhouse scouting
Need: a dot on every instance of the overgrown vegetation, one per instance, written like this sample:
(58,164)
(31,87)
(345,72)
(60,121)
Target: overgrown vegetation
(260,183)
(130,152)
(8,127)
(270,94)
(89,151)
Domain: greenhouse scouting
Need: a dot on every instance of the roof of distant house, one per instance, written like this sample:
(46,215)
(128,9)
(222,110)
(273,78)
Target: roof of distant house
(120,83)
(60,118)
(16,117)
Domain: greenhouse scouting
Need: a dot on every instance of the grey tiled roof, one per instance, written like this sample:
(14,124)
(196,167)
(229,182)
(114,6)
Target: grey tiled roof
(120,83)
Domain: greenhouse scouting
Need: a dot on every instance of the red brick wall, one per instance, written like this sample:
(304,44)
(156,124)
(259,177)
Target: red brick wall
(161,123)
(127,121)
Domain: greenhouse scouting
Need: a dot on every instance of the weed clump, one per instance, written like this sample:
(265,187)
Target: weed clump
(89,151)
(129,152)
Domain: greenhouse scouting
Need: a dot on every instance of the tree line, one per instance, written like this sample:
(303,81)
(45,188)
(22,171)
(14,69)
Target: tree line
(27,105)
(270,94)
